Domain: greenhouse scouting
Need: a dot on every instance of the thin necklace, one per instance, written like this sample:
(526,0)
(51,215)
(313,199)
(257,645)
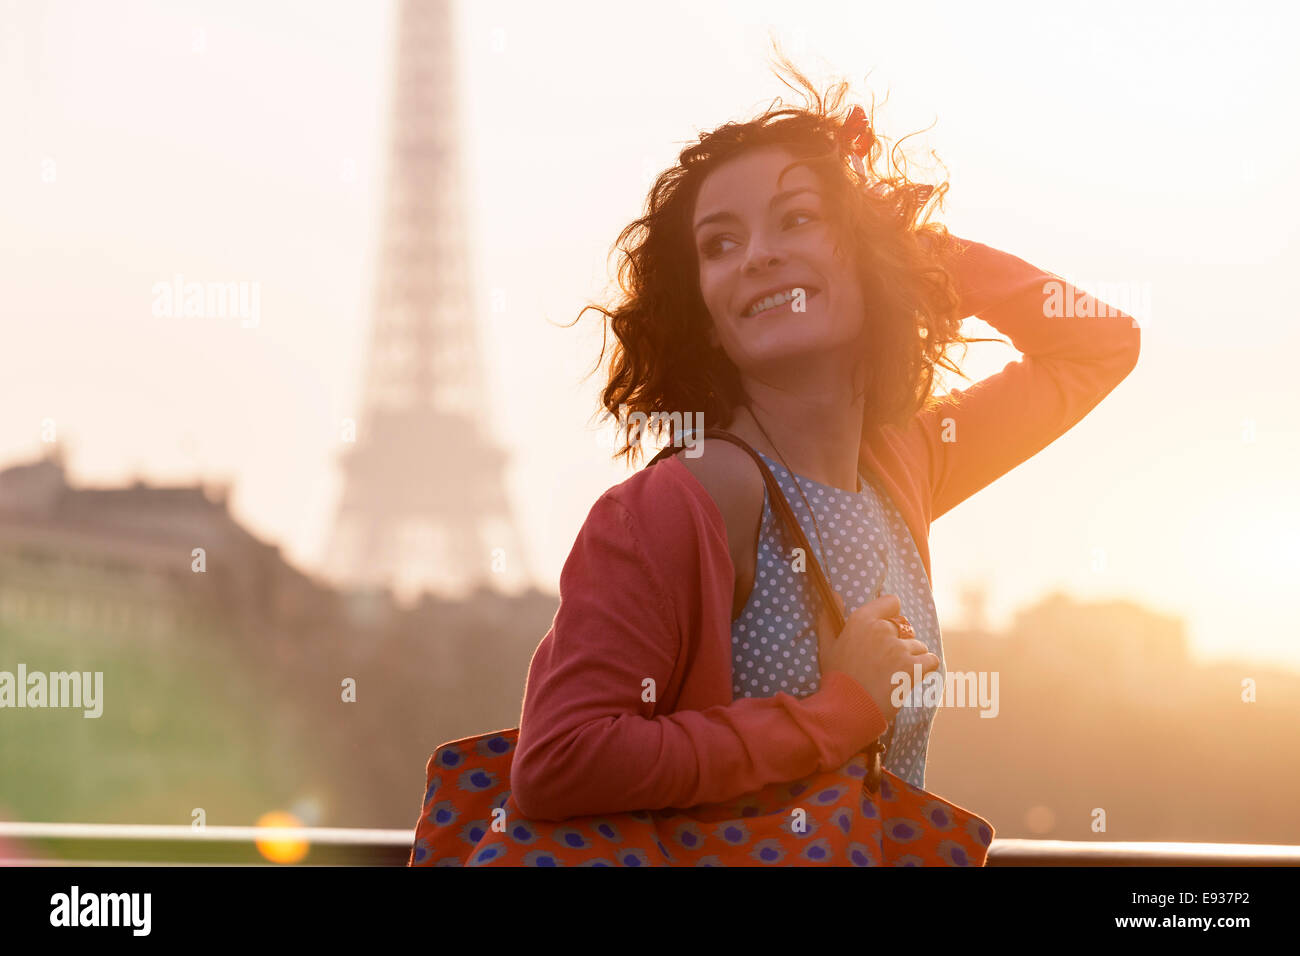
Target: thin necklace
(816,526)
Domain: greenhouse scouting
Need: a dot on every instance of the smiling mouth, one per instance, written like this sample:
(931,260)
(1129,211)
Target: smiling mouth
(810,293)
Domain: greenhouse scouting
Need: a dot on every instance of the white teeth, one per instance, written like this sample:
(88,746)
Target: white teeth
(772,300)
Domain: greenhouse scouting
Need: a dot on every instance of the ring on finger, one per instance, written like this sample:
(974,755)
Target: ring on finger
(904,627)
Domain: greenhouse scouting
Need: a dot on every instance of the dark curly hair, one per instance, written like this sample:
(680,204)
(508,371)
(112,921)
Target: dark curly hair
(664,367)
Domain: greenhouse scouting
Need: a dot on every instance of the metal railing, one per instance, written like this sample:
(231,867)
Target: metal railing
(81,844)
(91,844)
(1103,853)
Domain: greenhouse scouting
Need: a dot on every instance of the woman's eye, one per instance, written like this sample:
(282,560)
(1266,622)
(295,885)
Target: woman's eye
(711,247)
(711,250)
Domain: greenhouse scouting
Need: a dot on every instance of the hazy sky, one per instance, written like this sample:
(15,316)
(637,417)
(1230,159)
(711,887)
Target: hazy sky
(1150,147)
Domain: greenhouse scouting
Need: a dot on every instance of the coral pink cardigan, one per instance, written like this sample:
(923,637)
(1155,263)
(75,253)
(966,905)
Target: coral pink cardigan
(628,703)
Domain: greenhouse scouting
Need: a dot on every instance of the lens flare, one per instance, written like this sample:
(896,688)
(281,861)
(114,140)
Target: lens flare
(279,848)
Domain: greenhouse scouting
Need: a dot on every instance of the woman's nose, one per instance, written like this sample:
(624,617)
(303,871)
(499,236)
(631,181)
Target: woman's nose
(761,255)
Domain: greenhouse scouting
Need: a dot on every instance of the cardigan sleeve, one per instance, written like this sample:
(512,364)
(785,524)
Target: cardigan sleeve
(1075,351)
(590,742)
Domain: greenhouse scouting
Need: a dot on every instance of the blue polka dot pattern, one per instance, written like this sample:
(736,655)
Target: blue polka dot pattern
(870,552)
(768,851)
(541,858)
(824,820)
(474,831)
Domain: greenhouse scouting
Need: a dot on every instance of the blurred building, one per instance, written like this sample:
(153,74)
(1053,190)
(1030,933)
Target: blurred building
(235,674)
(1117,650)
(122,561)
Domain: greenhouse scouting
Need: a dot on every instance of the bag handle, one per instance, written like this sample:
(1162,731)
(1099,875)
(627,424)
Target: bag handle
(782,506)
(825,591)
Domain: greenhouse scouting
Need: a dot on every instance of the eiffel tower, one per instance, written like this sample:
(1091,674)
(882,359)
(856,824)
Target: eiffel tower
(423,504)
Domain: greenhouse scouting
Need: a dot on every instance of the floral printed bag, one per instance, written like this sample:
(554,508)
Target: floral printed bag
(857,815)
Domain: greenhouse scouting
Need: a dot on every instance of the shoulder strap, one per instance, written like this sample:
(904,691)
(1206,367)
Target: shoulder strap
(782,508)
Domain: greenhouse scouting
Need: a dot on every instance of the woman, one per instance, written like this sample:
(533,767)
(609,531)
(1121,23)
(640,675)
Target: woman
(800,301)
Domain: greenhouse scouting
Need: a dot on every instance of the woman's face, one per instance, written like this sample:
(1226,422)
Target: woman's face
(754,236)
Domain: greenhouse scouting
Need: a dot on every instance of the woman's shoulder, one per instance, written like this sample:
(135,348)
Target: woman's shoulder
(719,485)
(726,472)
(686,502)
(734,484)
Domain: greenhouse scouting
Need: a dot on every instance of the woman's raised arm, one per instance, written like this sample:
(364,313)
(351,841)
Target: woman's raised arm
(1073,356)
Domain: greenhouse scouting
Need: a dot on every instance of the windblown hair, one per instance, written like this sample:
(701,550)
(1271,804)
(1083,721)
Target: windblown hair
(664,370)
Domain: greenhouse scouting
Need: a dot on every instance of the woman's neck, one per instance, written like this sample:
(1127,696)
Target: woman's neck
(816,438)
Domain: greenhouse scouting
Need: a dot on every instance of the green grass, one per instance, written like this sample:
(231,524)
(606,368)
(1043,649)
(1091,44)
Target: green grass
(183,726)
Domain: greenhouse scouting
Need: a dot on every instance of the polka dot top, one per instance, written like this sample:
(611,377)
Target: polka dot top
(870,552)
